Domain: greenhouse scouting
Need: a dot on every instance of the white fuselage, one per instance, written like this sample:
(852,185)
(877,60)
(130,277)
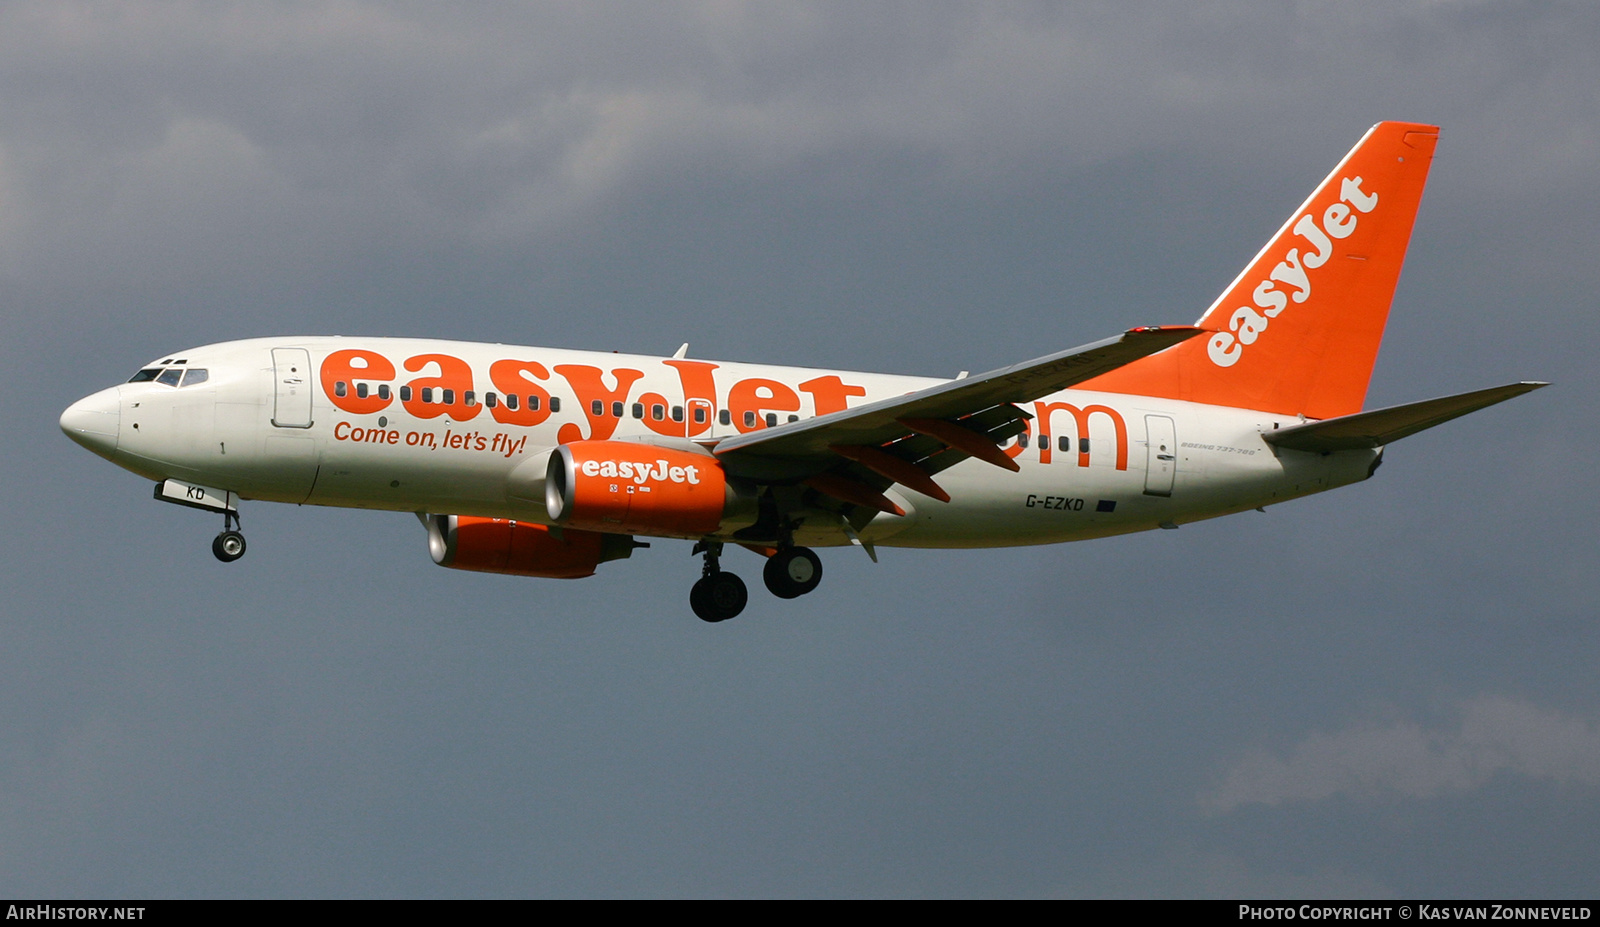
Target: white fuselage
(267,423)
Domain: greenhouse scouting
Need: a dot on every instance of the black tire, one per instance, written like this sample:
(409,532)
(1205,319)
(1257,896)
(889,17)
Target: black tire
(724,597)
(700,600)
(228,546)
(792,573)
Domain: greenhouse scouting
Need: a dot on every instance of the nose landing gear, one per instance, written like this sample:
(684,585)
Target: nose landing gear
(229,545)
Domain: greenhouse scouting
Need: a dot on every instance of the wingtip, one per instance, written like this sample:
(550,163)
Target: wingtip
(1165,335)
(1188,331)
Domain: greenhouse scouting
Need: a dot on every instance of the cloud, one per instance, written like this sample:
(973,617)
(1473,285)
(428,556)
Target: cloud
(1497,735)
(443,123)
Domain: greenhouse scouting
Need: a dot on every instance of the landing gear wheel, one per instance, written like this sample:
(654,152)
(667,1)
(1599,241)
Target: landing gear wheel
(727,595)
(718,597)
(792,572)
(700,599)
(228,546)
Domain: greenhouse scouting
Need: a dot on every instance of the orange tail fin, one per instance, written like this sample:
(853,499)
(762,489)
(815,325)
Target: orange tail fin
(1298,331)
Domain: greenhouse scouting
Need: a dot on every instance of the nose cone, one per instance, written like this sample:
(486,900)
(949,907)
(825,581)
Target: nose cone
(93,421)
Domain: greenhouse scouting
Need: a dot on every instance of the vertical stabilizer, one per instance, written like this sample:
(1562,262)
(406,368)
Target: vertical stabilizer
(1298,331)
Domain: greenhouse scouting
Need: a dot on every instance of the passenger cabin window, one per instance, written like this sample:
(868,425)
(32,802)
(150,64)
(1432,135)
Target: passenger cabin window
(638,410)
(749,420)
(170,377)
(469,399)
(699,415)
(1083,445)
(533,404)
(449,397)
(794,418)
(511,401)
(339,389)
(677,413)
(597,407)
(405,394)
(383,391)
(427,394)
(555,403)
(725,417)
(491,400)
(772,419)
(1044,442)
(616,410)
(658,412)
(145,375)
(361,390)
(1064,444)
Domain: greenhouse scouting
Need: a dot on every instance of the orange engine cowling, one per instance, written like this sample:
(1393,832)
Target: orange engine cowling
(499,545)
(636,488)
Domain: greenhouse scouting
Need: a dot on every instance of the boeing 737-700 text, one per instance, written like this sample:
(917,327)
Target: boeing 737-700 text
(543,462)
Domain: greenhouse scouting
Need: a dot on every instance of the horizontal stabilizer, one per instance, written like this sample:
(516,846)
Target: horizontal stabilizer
(1385,426)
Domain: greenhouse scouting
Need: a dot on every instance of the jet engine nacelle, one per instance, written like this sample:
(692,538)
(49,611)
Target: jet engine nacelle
(641,489)
(499,545)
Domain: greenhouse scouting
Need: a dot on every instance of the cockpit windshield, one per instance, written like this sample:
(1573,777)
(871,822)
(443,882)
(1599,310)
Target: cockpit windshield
(170,376)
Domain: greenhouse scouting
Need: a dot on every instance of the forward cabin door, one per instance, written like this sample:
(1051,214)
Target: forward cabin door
(291,372)
(1161,448)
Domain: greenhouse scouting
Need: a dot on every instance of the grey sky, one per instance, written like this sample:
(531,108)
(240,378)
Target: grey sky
(1385,690)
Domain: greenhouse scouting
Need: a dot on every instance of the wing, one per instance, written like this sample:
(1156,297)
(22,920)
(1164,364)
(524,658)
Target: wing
(851,456)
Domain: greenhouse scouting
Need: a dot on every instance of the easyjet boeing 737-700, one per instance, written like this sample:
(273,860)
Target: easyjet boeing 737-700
(545,462)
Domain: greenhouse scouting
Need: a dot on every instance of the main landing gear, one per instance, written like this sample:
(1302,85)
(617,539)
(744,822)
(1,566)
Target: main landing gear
(792,572)
(229,545)
(717,596)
